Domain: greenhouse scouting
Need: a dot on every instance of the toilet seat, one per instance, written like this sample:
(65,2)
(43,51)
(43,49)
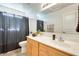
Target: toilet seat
(23,46)
(23,43)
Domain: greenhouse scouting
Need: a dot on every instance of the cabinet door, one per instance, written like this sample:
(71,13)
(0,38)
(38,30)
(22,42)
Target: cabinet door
(43,50)
(34,51)
(32,47)
(29,48)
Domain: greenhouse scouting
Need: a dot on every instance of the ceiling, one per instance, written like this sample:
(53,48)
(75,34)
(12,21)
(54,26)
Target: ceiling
(56,7)
(53,8)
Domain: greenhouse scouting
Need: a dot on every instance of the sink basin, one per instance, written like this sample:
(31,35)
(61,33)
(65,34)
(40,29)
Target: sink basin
(74,45)
(70,44)
(62,43)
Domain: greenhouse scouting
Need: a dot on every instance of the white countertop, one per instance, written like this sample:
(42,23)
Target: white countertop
(67,46)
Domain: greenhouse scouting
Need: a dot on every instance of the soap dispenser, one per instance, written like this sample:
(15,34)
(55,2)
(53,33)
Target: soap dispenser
(54,36)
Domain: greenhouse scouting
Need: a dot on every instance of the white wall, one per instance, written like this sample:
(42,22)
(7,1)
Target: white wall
(16,6)
(57,18)
(24,10)
(31,12)
(5,8)
(32,25)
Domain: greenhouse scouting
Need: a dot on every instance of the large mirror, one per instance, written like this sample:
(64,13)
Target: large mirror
(64,17)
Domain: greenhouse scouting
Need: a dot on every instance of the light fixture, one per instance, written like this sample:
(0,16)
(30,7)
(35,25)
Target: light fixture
(45,6)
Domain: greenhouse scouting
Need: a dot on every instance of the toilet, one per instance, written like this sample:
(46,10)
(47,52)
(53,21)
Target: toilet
(23,46)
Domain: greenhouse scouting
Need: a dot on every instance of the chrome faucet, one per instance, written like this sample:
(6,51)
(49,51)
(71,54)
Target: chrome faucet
(61,38)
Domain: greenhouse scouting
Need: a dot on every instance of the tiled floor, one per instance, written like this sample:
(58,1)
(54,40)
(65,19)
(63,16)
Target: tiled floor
(16,52)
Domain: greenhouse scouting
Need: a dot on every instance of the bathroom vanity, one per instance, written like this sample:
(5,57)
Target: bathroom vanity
(44,46)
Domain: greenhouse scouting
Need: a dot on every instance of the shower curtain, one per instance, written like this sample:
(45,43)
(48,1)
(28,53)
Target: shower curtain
(13,29)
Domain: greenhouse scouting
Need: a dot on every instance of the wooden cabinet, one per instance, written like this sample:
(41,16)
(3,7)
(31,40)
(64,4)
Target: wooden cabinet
(56,52)
(35,48)
(29,48)
(32,47)
(43,50)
